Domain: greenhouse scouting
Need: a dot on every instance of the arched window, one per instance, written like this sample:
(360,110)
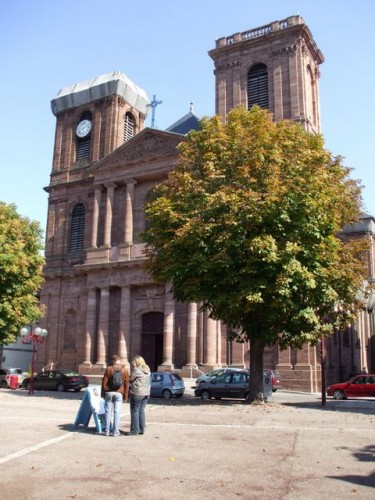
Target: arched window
(77,228)
(83,136)
(257,86)
(129,126)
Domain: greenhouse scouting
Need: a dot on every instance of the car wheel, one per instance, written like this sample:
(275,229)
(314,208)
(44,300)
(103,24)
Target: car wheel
(3,384)
(60,388)
(205,394)
(166,394)
(337,394)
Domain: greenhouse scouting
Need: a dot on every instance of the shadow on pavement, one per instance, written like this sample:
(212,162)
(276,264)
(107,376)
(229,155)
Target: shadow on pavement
(23,393)
(354,406)
(365,454)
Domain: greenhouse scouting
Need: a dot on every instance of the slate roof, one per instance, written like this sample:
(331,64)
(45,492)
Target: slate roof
(185,124)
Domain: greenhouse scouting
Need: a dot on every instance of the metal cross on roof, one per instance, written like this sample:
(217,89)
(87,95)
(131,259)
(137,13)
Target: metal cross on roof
(153,105)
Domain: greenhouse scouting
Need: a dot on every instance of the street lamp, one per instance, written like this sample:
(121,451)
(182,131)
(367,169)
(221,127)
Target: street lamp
(36,336)
(323,358)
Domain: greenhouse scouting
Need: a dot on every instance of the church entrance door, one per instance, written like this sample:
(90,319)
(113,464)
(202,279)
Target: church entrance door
(152,339)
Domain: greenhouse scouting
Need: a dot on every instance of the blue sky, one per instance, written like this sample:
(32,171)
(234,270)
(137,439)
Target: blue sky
(162,46)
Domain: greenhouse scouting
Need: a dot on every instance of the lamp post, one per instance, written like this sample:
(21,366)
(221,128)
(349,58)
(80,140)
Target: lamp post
(36,335)
(323,372)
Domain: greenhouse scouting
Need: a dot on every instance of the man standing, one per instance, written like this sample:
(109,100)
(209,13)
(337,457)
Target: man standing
(115,389)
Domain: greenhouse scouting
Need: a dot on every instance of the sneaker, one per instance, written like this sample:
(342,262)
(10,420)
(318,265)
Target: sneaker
(116,434)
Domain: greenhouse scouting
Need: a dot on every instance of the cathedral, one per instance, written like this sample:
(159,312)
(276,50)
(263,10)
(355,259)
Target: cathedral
(98,298)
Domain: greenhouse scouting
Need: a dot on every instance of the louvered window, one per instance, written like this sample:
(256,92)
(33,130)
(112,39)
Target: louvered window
(77,228)
(257,86)
(129,126)
(84,144)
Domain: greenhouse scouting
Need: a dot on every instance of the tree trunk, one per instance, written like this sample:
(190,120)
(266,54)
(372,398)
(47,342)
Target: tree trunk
(256,394)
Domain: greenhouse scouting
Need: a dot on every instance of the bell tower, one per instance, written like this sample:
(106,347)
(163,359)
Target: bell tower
(93,118)
(275,66)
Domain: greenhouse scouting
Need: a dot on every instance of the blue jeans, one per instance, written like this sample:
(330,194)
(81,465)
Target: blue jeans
(137,413)
(113,402)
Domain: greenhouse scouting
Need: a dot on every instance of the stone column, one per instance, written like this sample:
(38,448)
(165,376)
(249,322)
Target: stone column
(294,83)
(129,201)
(303,369)
(96,135)
(192,334)
(95,217)
(278,90)
(169,309)
(103,328)
(201,340)
(191,338)
(211,342)
(58,146)
(221,98)
(90,325)
(68,147)
(218,337)
(108,213)
(125,318)
(284,358)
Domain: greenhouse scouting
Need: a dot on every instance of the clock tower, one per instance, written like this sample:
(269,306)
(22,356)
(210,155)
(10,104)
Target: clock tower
(94,118)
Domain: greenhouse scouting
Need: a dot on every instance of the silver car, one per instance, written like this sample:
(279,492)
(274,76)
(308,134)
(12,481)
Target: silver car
(167,385)
(6,373)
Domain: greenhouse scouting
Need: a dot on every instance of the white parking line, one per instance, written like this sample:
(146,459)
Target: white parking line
(30,449)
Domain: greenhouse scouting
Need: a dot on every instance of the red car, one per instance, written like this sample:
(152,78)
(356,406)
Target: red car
(275,379)
(360,386)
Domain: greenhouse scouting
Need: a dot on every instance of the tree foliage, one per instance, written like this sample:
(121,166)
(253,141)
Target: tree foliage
(20,272)
(247,222)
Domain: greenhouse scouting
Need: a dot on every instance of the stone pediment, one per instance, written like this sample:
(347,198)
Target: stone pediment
(146,145)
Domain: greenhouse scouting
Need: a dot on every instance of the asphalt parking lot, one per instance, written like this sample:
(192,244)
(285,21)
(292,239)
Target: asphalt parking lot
(290,448)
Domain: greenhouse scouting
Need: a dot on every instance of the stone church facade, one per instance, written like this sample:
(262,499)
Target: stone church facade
(98,298)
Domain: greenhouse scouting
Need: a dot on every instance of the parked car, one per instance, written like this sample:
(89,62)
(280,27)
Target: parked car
(361,386)
(167,385)
(275,378)
(6,373)
(233,384)
(57,380)
(213,373)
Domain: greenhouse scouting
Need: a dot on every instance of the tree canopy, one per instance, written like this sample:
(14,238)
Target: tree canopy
(247,224)
(20,272)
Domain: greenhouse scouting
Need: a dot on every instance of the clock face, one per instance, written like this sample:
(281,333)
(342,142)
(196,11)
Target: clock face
(83,128)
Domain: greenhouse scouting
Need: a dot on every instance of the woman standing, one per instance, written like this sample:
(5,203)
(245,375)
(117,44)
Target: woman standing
(140,388)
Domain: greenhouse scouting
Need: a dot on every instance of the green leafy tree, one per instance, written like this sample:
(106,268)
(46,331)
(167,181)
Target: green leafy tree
(247,223)
(20,272)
